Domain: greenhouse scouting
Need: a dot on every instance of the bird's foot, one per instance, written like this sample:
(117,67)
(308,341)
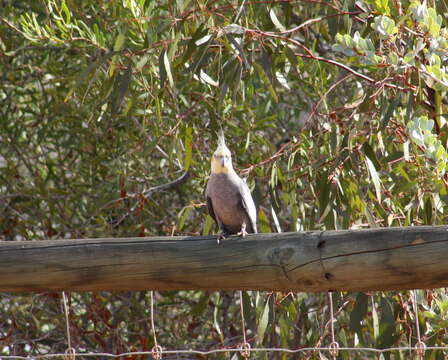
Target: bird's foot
(220,237)
(243,233)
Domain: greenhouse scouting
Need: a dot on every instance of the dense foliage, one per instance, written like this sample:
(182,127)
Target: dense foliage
(334,110)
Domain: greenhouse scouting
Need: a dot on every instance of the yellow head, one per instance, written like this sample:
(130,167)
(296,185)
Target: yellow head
(222,158)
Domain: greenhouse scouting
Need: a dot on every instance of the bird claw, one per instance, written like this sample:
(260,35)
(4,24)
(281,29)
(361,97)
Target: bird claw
(243,233)
(220,237)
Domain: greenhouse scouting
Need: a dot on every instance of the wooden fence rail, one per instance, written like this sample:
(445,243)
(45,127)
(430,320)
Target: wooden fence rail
(348,260)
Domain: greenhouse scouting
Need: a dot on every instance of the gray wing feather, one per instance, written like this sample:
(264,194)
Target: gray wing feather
(249,205)
(211,212)
(210,208)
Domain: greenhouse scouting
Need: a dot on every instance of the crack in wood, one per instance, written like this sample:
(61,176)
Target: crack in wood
(320,245)
(322,259)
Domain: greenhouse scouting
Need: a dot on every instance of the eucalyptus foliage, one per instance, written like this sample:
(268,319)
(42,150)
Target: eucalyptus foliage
(334,110)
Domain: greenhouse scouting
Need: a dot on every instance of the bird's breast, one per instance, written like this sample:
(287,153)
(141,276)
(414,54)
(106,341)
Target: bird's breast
(226,199)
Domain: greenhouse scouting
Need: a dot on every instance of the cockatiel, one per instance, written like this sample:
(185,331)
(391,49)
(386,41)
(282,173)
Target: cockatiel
(229,200)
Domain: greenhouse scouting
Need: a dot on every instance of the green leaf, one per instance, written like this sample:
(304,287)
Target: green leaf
(382,6)
(375,178)
(432,22)
(183,215)
(208,224)
(199,308)
(232,78)
(263,323)
(358,314)
(121,90)
(200,32)
(119,41)
(249,309)
(390,110)
(266,71)
(200,59)
(86,74)
(282,80)
(275,20)
(385,26)
(370,153)
(276,222)
(182,5)
(234,28)
(166,64)
(388,334)
(266,81)
(162,70)
(66,12)
(263,221)
(203,40)
(324,192)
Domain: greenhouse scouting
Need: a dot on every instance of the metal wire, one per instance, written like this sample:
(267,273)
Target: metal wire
(156,351)
(245,346)
(216,351)
(420,346)
(70,353)
(334,346)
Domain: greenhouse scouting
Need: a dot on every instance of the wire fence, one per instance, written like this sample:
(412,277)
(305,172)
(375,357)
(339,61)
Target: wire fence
(244,349)
(411,350)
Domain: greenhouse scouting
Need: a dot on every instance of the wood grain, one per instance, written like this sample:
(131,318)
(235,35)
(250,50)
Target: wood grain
(352,260)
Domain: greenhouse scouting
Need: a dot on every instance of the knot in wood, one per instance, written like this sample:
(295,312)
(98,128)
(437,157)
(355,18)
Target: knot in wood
(281,255)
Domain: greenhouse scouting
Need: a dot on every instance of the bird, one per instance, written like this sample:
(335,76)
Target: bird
(229,200)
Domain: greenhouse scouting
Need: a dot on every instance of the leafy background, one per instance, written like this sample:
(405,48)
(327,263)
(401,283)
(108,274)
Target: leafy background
(334,111)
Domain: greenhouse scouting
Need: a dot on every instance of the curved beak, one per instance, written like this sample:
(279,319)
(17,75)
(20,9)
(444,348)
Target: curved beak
(223,161)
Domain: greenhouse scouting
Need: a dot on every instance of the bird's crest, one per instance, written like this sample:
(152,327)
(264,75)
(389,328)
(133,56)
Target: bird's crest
(222,148)
(221,139)
(222,158)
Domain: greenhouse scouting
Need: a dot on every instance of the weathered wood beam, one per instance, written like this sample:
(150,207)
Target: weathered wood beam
(352,260)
